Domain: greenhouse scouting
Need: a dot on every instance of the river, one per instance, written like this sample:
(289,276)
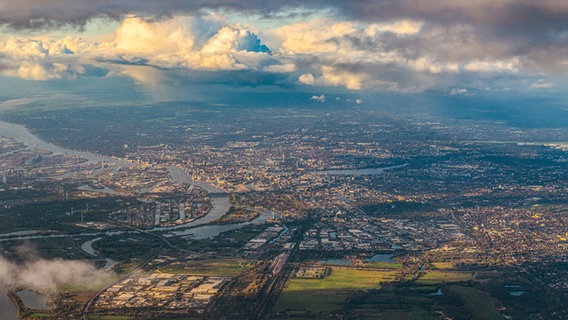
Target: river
(194,229)
(220,200)
(22,134)
(209,231)
(359,172)
(8,310)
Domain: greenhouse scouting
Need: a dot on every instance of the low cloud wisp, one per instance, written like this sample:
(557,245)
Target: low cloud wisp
(48,275)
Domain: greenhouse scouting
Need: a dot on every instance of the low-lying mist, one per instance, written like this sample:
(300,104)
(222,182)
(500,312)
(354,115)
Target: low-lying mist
(47,276)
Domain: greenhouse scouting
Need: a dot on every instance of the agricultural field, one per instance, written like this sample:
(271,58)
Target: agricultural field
(328,294)
(374,294)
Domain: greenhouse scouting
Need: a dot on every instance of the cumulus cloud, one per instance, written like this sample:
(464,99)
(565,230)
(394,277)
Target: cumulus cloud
(399,45)
(47,275)
(195,43)
(320,98)
(159,37)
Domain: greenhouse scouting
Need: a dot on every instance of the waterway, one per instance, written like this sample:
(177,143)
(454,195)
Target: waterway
(211,231)
(220,199)
(359,172)
(22,134)
(88,248)
(194,229)
(8,310)
(220,207)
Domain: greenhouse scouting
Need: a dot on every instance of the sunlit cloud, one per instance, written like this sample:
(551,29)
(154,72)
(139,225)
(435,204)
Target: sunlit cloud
(365,45)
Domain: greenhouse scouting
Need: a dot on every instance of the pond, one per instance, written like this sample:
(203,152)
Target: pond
(33,300)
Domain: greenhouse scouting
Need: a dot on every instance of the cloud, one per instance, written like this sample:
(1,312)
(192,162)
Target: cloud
(47,275)
(192,43)
(400,45)
(315,36)
(458,91)
(157,37)
(320,98)
(308,79)
(542,84)
(402,27)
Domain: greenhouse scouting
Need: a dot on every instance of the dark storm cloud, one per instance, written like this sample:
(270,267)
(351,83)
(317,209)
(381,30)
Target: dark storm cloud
(55,13)
(505,15)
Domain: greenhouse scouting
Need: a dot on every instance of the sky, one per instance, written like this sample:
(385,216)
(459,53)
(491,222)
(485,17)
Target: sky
(345,47)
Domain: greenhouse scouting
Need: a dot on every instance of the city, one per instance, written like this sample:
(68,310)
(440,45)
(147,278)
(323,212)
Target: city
(255,160)
(189,231)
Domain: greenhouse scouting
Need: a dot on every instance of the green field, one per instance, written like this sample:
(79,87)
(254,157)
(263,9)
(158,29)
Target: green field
(217,267)
(358,293)
(328,294)
(343,279)
(481,305)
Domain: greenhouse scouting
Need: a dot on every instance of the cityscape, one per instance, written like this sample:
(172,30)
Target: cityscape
(263,226)
(235,160)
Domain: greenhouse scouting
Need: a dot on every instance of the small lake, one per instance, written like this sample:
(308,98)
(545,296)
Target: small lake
(8,310)
(33,300)
(381,257)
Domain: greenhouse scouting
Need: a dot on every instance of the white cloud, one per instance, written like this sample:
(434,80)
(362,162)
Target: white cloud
(458,91)
(542,84)
(47,275)
(177,42)
(314,36)
(320,98)
(397,55)
(282,68)
(332,76)
(493,66)
(307,78)
(234,39)
(138,35)
(337,77)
